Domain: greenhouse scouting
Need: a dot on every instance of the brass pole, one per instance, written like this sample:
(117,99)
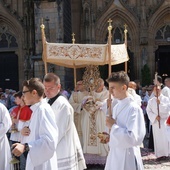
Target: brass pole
(75,75)
(156,80)
(44,46)
(109,44)
(125,33)
(110,66)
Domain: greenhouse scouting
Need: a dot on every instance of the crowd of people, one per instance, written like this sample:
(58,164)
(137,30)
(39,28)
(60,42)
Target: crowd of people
(55,131)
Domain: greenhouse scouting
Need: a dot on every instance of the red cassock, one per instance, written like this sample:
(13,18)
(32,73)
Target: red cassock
(168,121)
(24,113)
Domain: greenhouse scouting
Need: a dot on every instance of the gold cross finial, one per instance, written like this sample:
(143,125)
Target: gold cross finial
(42,25)
(109,21)
(73,39)
(110,26)
(125,28)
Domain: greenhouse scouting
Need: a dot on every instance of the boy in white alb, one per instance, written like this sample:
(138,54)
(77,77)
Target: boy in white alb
(43,132)
(158,119)
(127,127)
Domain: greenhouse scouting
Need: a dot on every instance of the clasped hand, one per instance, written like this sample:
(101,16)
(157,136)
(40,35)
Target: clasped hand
(25,131)
(18,149)
(158,118)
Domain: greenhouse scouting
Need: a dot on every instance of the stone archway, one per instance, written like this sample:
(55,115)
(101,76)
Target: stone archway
(162,60)
(119,18)
(9,70)
(12,40)
(159,34)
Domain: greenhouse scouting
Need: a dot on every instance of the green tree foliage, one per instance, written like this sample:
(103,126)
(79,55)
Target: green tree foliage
(146,75)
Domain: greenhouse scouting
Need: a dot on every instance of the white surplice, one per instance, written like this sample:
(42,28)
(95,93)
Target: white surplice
(42,139)
(126,136)
(93,122)
(69,151)
(5,124)
(166,92)
(161,143)
(21,125)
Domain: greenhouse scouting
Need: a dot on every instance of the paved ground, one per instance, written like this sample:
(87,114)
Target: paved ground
(149,161)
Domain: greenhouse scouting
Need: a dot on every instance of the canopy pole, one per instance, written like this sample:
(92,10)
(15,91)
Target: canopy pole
(110,66)
(44,44)
(45,67)
(109,44)
(75,74)
(156,84)
(125,33)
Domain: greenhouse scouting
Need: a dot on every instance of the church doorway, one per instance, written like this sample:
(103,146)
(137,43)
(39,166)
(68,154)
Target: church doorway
(162,61)
(9,70)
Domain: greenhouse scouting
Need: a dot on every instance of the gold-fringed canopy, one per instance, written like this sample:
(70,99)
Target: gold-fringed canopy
(80,55)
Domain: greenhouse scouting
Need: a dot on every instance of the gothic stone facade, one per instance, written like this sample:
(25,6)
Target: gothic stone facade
(148,32)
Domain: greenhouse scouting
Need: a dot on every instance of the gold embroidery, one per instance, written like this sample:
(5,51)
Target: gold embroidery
(91,108)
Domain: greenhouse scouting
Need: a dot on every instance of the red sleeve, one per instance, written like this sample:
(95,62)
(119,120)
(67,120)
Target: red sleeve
(14,112)
(168,121)
(25,113)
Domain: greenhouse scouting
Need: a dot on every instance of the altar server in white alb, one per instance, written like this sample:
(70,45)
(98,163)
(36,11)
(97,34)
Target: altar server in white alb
(69,151)
(43,132)
(5,124)
(159,104)
(127,127)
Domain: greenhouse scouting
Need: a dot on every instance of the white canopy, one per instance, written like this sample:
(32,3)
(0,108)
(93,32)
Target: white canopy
(80,55)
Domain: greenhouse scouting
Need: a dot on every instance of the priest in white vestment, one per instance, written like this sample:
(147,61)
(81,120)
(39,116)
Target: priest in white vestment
(5,124)
(43,137)
(76,100)
(161,144)
(69,151)
(93,121)
(127,127)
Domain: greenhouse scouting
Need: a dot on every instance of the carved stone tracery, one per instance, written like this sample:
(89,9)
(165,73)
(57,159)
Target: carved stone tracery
(7,39)
(135,6)
(163,33)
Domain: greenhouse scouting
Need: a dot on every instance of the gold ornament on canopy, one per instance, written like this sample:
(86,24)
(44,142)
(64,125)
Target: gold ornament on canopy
(91,77)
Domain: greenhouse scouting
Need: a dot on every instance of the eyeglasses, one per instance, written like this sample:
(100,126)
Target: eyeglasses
(23,92)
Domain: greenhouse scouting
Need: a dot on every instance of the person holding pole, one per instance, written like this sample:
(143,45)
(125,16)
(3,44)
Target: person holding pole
(158,112)
(127,127)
